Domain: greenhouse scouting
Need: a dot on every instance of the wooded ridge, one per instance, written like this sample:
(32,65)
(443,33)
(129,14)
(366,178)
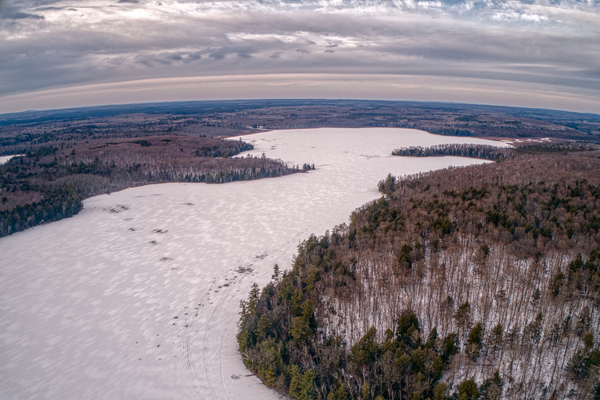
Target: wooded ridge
(495,153)
(468,283)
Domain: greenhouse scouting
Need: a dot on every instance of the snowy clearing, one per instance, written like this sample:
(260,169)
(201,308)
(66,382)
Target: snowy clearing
(4,159)
(137,297)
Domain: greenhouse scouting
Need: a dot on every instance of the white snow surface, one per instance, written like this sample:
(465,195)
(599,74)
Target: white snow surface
(137,296)
(4,159)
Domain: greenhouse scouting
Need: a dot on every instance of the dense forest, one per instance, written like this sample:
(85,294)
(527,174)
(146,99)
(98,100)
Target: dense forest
(461,150)
(232,118)
(495,153)
(48,183)
(467,283)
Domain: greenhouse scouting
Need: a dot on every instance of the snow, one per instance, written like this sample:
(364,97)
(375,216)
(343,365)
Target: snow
(4,159)
(137,296)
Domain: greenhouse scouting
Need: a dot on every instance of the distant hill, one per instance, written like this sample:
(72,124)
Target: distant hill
(234,117)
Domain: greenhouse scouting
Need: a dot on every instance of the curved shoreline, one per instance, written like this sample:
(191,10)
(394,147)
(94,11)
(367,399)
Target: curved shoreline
(137,296)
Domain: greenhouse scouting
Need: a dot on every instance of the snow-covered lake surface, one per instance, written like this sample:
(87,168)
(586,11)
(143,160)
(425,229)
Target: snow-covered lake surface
(4,159)
(137,297)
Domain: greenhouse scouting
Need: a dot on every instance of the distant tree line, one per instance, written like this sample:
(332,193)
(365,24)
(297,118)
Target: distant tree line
(495,153)
(460,150)
(566,147)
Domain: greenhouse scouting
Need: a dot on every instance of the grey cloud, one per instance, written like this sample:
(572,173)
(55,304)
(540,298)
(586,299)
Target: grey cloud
(128,1)
(29,4)
(16,14)
(221,53)
(168,59)
(192,57)
(52,8)
(218,55)
(146,62)
(457,42)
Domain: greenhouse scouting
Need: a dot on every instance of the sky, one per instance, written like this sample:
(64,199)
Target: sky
(67,53)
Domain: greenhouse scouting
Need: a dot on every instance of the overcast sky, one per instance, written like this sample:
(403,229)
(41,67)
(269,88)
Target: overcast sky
(62,53)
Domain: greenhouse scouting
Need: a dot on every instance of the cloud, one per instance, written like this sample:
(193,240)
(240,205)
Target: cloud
(16,14)
(240,51)
(47,44)
(331,86)
(166,58)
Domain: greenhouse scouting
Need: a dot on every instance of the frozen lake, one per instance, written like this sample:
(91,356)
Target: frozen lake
(137,297)
(4,159)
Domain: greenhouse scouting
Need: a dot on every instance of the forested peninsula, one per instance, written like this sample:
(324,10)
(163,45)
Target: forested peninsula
(467,283)
(485,152)
(494,153)
(49,182)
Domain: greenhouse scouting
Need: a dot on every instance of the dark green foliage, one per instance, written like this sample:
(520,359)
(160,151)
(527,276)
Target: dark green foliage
(278,353)
(485,250)
(461,150)
(366,351)
(302,385)
(143,143)
(432,339)
(468,390)
(42,151)
(440,392)
(474,342)
(220,151)
(408,327)
(303,325)
(463,316)
(585,361)
(577,264)
(533,330)
(387,185)
(59,203)
(564,148)
(382,215)
(450,347)
(491,152)
(491,389)
(557,283)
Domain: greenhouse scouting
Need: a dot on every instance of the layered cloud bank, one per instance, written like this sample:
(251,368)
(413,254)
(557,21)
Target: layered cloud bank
(538,53)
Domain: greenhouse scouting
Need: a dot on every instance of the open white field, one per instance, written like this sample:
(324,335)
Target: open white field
(137,297)
(4,159)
